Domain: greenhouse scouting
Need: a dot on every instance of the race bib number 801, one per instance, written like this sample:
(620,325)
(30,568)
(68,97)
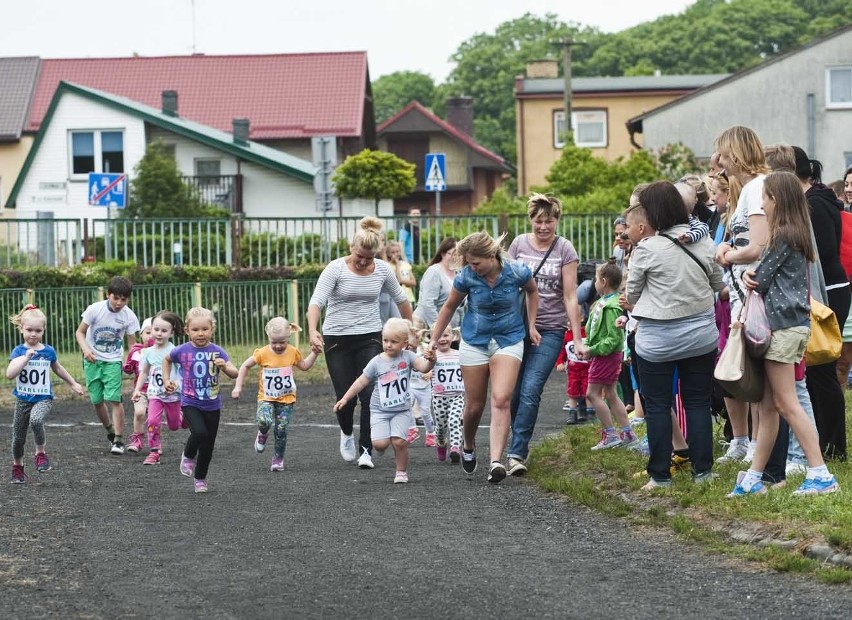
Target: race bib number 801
(34,379)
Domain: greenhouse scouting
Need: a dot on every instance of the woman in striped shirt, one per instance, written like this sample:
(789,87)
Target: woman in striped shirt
(349,289)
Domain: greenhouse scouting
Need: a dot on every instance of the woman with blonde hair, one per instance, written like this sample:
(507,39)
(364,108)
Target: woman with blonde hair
(492,331)
(349,289)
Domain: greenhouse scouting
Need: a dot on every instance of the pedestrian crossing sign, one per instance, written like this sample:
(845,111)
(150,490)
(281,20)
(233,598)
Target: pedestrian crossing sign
(436,172)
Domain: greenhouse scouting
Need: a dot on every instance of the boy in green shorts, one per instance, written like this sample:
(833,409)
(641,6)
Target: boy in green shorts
(101,339)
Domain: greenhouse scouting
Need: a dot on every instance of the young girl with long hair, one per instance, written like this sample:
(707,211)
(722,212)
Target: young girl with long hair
(782,278)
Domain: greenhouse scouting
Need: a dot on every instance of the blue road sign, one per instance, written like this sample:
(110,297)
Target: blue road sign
(108,190)
(436,172)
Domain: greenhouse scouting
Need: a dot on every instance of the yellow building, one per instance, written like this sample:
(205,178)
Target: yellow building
(600,109)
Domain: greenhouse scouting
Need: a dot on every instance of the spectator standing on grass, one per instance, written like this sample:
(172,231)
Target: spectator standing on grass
(30,364)
(781,277)
(409,237)
(553,262)
(200,362)
(492,332)
(402,269)
(671,288)
(150,385)
(101,338)
(276,390)
(349,288)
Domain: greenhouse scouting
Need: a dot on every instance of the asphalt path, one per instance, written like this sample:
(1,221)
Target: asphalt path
(103,536)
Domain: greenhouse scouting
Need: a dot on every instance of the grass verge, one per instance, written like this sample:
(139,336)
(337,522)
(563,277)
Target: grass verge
(773,529)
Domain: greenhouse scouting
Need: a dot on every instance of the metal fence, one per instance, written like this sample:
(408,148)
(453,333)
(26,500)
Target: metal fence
(255,242)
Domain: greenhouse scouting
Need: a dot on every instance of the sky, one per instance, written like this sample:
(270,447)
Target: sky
(398,35)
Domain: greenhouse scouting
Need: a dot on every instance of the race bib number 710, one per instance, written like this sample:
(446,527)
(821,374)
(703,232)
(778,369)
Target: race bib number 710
(393,389)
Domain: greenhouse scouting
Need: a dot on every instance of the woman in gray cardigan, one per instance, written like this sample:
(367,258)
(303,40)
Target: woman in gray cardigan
(435,287)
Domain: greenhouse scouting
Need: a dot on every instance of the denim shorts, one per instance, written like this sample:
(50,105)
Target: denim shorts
(470,355)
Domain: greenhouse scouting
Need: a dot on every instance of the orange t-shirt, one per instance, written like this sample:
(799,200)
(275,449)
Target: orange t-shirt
(277,384)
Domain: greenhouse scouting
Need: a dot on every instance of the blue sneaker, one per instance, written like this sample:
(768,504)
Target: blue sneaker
(818,486)
(758,488)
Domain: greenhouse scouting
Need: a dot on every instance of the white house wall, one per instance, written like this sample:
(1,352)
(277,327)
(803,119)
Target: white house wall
(771,100)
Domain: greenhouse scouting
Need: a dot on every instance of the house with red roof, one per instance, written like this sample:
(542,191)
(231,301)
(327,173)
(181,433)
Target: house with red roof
(473,172)
(110,108)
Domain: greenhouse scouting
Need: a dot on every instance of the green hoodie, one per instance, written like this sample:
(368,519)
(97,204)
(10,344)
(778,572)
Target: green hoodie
(604,337)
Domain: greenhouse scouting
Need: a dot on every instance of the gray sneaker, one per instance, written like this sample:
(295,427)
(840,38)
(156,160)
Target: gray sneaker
(736,452)
(516,467)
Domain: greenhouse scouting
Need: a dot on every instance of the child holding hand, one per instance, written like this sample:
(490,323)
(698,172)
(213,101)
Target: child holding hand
(31,363)
(448,397)
(131,367)
(200,362)
(276,394)
(390,402)
(421,395)
(151,383)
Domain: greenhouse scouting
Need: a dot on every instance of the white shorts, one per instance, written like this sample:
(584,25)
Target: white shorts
(470,355)
(384,425)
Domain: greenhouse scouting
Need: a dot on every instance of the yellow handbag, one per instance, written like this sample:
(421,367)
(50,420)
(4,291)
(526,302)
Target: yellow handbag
(825,342)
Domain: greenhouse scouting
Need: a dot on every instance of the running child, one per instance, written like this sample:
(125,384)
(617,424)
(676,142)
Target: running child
(606,349)
(390,402)
(150,386)
(276,393)
(200,363)
(101,338)
(577,380)
(131,367)
(421,396)
(31,363)
(448,397)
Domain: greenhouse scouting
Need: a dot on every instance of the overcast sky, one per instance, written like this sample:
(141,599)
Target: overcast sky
(398,35)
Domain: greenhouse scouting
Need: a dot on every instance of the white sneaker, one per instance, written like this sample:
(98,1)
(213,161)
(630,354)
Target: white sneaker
(347,447)
(795,469)
(749,456)
(736,452)
(365,461)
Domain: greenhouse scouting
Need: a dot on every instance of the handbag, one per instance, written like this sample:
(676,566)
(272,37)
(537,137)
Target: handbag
(740,374)
(825,341)
(756,329)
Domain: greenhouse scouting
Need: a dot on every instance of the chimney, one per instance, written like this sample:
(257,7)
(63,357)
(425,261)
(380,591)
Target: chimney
(241,131)
(460,114)
(170,103)
(543,68)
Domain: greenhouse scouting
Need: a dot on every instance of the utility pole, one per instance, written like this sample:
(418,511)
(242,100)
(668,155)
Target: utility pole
(566,44)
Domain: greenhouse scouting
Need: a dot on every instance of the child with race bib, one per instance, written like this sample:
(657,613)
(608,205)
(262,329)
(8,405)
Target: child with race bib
(276,394)
(390,403)
(151,384)
(421,395)
(131,367)
(31,363)
(448,396)
(200,363)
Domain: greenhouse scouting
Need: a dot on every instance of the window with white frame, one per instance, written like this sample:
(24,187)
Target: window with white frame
(838,87)
(590,128)
(96,151)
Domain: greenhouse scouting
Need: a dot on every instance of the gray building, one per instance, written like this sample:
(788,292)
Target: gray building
(802,97)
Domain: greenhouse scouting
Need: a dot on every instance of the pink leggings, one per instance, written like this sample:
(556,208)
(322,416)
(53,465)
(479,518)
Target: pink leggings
(155,418)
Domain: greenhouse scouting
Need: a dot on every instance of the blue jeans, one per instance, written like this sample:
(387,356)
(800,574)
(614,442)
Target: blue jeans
(535,369)
(696,385)
(795,452)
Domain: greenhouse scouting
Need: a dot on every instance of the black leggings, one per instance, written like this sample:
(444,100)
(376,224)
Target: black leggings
(203,428)
(346,357)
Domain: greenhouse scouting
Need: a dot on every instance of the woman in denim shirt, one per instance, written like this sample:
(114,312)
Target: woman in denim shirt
(492,338)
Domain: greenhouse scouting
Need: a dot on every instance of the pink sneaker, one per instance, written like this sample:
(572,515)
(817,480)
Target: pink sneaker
(431,440)
(277,464)
(153,458)
(201,486)
(441,451)
(260,442)
(134,444)
(187,466)
(413,434)
(455,454)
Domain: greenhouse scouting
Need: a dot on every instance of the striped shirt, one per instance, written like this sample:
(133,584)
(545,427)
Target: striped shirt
(353,300)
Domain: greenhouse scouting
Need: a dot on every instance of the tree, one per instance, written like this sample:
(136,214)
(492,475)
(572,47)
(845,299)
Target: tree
(376,175)
(158,190)
(392,92)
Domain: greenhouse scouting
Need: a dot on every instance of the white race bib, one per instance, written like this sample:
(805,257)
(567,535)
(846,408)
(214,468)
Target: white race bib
(393,389)
(278,382)
(34,379)
(447,377)
(156,384)
(572,355)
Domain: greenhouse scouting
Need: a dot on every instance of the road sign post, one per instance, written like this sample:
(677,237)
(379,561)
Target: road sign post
(108,190)
(436,175)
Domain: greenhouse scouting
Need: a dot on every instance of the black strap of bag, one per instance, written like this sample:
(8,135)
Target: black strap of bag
(534,274)
(677,242)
